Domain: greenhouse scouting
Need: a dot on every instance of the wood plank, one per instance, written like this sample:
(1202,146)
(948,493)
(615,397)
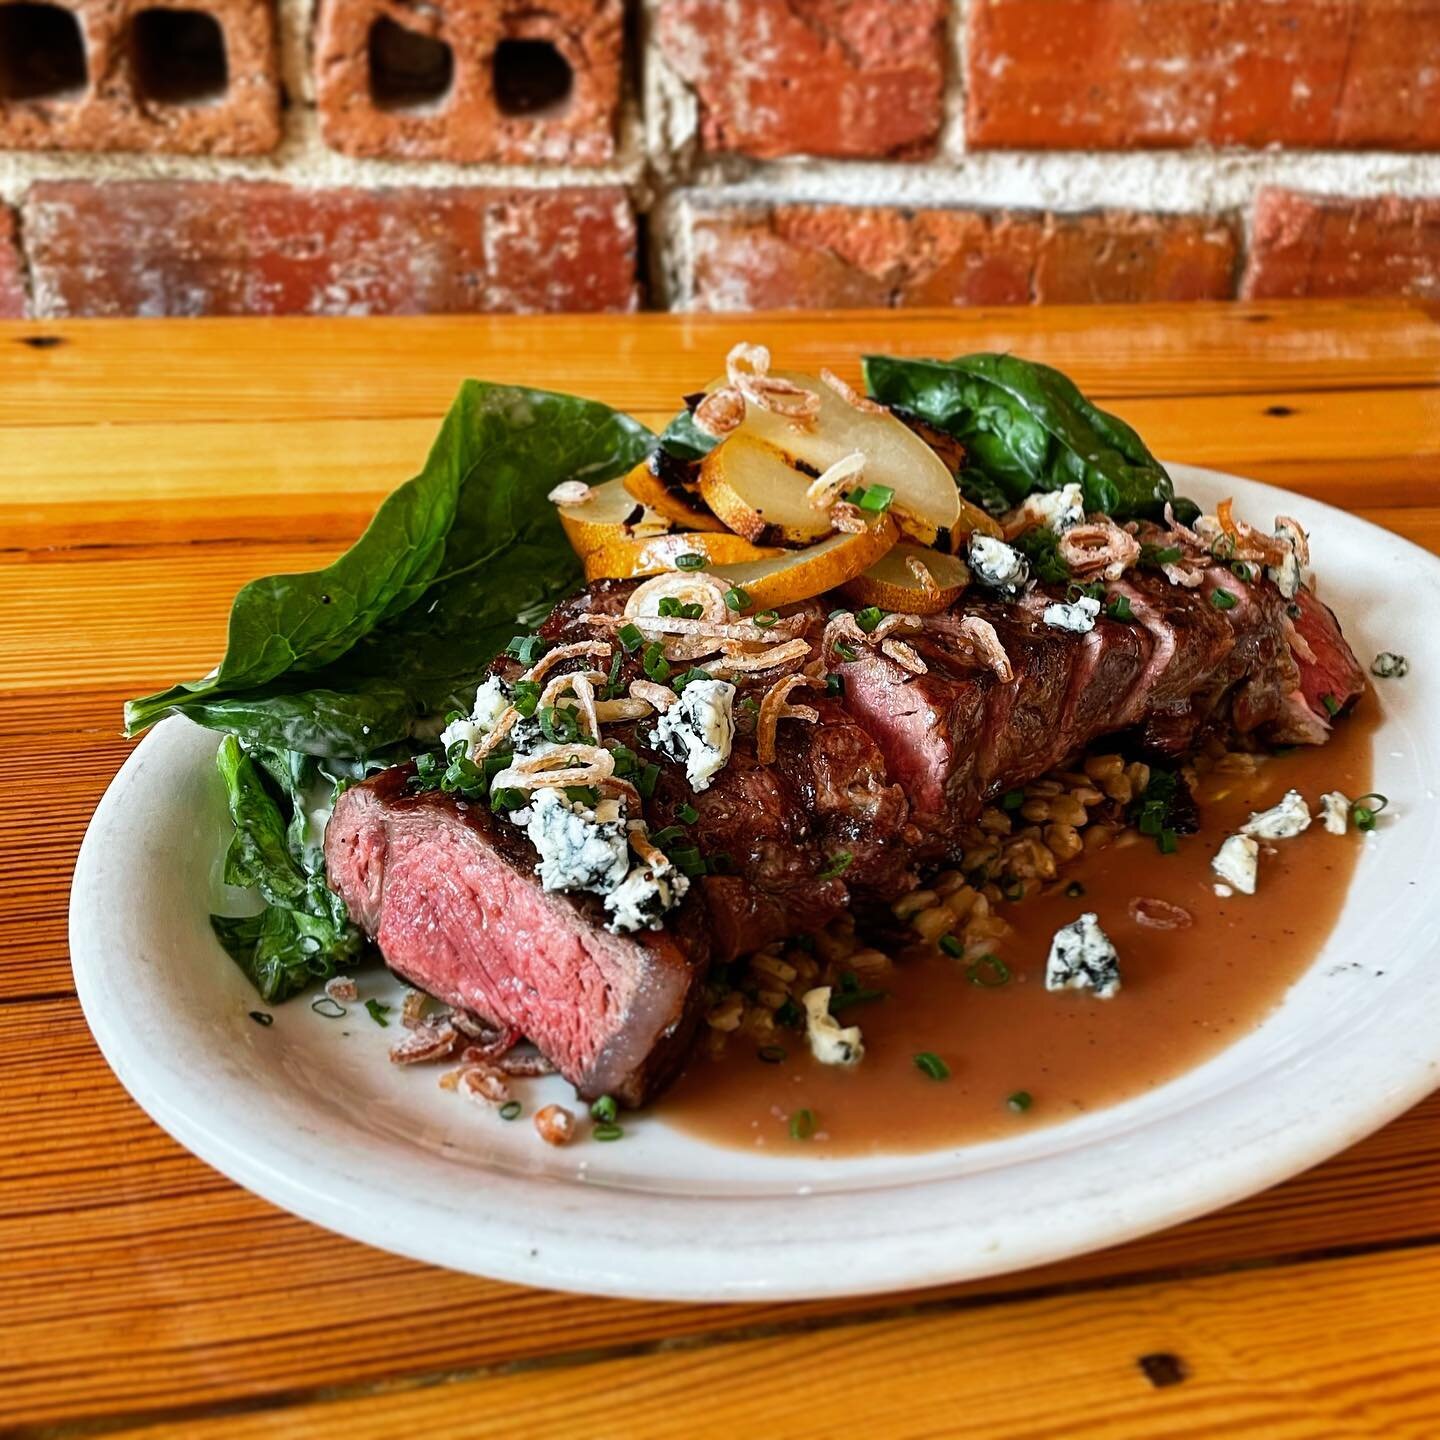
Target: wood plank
(190,1287)
(1308,1352)
(317,368)
(301,479)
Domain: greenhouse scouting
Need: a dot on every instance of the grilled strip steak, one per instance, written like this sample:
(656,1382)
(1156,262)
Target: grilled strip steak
(885,782)
(449,894)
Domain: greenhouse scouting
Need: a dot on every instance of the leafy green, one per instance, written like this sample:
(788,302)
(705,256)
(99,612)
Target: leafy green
(304,932)
(1041,546)
(685,440)
(1025,427)
(346,661)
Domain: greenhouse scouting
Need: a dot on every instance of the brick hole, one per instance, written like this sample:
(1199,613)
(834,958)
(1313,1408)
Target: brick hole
(532,78)
(42,53)
(179,56)
(408,70)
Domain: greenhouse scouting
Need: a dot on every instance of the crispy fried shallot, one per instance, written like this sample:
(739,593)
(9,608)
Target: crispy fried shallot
(1098,547)
(774,708)
(850,395)
(569,492)
(1159,914)
(827,488)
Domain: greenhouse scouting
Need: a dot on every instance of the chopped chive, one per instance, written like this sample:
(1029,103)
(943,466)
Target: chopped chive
(508,798)
(876,498)
(378,1012)
(1013,889)
(771,1054)
(1020,1101)
(932,1065)
(1012,799)
(1160,554)
(654,663)
(868,618)
(510,1110)
(608,1132)
(693,674)
(737,599)
(262,1017)
(690,561)
(853,995)
(952,945)
(844,651)
(605,1110)
(1364,810)
(835,685)
(688,860)
(1241,571)
(749,704)
(766,618)
(525,696)
(839,864)
(645,781)
(1222,599)
(1074,889)
(1331,704)
(668,836)
(688,814)
(1119,608)
(328,1008)
(989,972)
(630,637)
(1166,842)
(527,649)
(802,1124)
(790,1014)
(624,757)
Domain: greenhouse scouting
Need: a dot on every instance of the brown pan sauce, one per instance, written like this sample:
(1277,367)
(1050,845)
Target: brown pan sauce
(1186,993)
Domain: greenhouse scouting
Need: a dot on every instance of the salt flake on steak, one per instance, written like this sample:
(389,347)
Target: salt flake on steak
(577,851)
(698,730)
(1082,958)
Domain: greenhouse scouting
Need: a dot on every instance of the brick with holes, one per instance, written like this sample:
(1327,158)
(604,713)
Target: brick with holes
(838,256)
(185,76)
(237,248)
(505,81)
(812,77)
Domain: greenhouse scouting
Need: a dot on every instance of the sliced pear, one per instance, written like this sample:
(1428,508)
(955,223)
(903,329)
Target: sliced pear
(926,500)
(610,514)
(677,505)
(802,574)
(892,585)
(756,490)
(626,559)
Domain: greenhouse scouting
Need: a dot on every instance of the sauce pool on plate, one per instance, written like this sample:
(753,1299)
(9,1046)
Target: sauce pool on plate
(1018,1055)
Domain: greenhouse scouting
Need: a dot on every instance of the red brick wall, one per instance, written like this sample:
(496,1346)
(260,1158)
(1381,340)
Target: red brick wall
(366,156)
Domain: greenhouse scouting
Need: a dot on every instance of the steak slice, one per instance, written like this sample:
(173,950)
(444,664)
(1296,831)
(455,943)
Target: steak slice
(449,894)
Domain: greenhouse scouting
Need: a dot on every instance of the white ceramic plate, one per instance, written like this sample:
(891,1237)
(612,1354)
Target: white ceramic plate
(309,1114)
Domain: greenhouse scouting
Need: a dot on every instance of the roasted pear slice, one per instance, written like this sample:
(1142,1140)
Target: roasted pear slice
(610,514)
(913,579)
(683,507)
(800,574)
(758,492)
(626,559)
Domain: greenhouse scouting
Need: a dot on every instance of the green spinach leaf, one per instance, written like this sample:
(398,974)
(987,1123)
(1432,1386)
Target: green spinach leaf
(1025,427)
(304,932)
(685,440)
(346,661)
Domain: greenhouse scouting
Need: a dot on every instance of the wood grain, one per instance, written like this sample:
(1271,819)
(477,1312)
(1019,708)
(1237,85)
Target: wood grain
(1307,1352)
(145,472)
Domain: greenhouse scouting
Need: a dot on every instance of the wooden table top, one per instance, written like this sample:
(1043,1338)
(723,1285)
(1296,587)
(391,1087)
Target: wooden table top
(146,470)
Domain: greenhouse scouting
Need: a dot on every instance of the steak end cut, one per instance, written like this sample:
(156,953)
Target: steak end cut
(450,896)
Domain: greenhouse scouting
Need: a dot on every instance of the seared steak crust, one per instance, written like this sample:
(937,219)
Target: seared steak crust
(895,770)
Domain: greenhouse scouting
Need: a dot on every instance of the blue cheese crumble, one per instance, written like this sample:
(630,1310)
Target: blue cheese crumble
(1237,863)
(1280,822)
(1288,575)
(698,730)
(491,701)
(579,848)
(1335,811)
(1389,666)
(1057,510)
(641,900)
(1078,617)
(1082,958)
(830,1042)
(997,565)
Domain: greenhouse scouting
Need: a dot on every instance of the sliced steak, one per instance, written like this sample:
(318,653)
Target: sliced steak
(449,894)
